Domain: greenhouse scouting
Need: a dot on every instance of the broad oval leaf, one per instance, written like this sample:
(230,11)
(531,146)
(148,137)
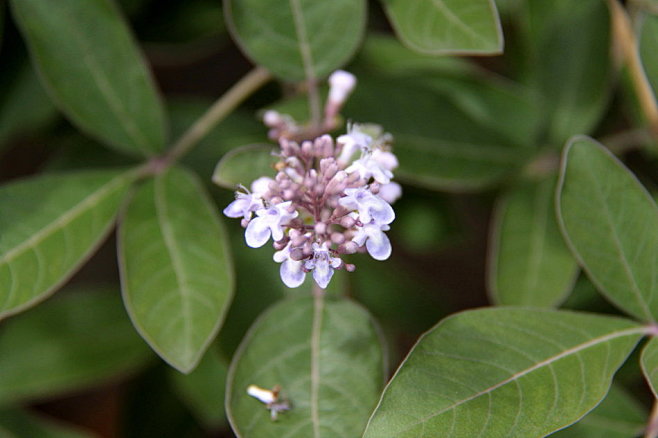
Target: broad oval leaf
(439,145)
(529,264)
(512,372)
(72,342)
(49,226)
(447,26)
(569,62)
(649,362)
(93,70)
(327,358)
(610,223)
(243,165)
(176,272)
(297,39)
(17,423)
(204,390)
(618,416)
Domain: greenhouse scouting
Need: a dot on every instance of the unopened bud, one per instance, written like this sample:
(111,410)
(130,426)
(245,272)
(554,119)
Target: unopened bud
(341,84)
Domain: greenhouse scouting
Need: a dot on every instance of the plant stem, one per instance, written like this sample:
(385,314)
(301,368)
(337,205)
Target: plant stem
(217,112)
(628,46)
(652,427)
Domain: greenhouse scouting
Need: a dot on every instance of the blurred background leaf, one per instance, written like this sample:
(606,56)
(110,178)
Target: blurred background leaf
(244,165)
(17,423)
(74,341)
(529,264)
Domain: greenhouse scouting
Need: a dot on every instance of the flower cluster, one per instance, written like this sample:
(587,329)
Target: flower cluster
(328,199)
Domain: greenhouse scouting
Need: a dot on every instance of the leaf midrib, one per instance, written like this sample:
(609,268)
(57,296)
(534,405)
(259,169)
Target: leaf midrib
(546,362)
(303,43)
(177,264)
(78,209)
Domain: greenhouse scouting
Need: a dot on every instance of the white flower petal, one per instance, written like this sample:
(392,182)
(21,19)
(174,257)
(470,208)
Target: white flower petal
(261,185)
(380,211)
(257,233)
(237,208)
(322,273)
(292,273)
(378,245)
(390,192)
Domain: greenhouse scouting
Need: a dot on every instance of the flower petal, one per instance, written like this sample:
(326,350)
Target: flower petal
(257,233)
(380,211)
(237,208)
(322,273)
(292,273)
(378,245)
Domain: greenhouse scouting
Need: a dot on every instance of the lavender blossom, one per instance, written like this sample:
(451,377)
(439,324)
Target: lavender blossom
(328,199)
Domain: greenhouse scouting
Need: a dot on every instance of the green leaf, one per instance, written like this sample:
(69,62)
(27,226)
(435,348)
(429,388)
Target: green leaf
(648,43)
(610,223)
(72,342)
(512,372)
(49,226)
(203,390)
(297,39)
(618,416)
(439,145)
(529,264)
(244,165)
(441,27)
(176,271)
(327,358)
(649,361)
(383,54)
(94,71)
(16,423)
(569,63)
(25,107)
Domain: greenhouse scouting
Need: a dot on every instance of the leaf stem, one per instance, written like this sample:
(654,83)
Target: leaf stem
(652,426)
(217,112)
(627,44)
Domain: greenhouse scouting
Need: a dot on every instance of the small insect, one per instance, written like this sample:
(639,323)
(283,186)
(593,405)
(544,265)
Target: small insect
(271,398)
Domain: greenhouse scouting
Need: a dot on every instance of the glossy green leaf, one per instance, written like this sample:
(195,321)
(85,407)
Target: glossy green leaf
(16,423)
(297,39)
(529,264)
(439,145)
(569,62)
(649,363)
(203,390)
(327,358)
(648,43)
(72,342)
(49,226)
(175,267)
(440,27)
(503,372)
(611,225)
(618,416)
(94,71)
(244,165)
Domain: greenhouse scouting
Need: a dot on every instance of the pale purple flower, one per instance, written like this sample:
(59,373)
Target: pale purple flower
(291,271)
(244,205)
(260,186)
(366,167)
(354,141)
(370,207)
(390,192)
(322,264)
(377,243)
(270,222)
(385,159)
